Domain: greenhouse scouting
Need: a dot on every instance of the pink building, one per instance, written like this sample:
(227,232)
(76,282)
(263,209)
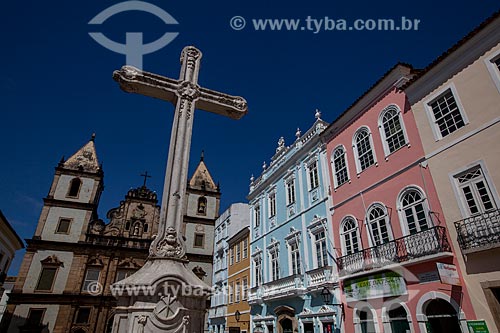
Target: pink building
(388,224)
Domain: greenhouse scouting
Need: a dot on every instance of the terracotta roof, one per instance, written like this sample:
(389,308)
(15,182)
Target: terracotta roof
(452,49)
(3,218)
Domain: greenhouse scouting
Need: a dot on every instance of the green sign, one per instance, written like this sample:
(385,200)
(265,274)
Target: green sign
(477,326)
(375,286)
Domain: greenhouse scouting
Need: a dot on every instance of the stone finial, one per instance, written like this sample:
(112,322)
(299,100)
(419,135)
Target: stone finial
(92,138)
(317,115)
(264,165)
(202,157)
(281,144)
(298,133)
(252,179)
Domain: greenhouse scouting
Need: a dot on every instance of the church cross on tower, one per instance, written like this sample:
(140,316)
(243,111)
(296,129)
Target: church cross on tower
(146,176)
(186,95)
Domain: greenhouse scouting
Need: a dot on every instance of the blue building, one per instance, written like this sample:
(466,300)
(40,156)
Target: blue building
(292,254)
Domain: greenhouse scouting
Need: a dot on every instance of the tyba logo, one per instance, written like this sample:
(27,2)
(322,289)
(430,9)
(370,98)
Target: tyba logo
(133,49)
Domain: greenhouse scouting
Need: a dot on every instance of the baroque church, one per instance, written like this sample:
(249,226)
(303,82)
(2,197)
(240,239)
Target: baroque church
(74,256)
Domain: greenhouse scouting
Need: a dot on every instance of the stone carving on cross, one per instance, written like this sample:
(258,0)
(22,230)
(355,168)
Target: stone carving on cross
(186,95)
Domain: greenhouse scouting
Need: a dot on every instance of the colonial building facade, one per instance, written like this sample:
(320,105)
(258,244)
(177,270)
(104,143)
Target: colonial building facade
(9,244)
(74,256)
(387,220)
(238,280)
(456,104)
(232,221)
(291,252)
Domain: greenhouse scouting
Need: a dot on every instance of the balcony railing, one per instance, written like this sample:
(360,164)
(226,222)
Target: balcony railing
(408,248)
(282,288)
(217,312)
(320,277)
(137,243)
(479,232)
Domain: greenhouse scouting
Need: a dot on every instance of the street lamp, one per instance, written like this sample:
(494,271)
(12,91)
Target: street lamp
(327,298)
(237,315)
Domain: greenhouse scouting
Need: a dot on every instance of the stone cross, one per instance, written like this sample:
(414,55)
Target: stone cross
(186,95)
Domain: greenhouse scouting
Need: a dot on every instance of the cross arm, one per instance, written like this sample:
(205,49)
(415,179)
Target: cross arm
(230,106)
(134,80)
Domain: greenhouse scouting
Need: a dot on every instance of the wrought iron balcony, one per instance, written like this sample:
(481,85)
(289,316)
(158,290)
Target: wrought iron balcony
(479,232)
(405,249)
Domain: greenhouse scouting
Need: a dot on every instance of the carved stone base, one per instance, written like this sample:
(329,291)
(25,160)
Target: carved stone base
(163,296)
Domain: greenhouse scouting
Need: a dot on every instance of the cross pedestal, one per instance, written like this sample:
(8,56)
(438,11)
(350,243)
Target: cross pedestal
(165,296)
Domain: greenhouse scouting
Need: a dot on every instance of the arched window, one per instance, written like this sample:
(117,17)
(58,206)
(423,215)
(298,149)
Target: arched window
(363,149)
(366,321)
(341,173)
(350,236)
(414,211)
(146,227)
(392,129)
(74,187)
(202,206)
(398,318)
(378,223)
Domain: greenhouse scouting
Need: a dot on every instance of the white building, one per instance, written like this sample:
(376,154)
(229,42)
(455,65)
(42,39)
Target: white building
(235,218)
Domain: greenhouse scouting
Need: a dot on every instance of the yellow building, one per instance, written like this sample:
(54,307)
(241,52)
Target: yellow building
(238,310)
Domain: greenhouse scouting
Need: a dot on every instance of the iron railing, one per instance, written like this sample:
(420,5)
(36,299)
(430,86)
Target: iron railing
(418,245)
(479,231)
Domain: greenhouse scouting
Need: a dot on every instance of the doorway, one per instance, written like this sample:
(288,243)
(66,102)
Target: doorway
(308,328)
(234,330)
(441,317)
(286,325)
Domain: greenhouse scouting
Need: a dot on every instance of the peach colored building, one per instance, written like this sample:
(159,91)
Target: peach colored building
(388,225)
(456,104)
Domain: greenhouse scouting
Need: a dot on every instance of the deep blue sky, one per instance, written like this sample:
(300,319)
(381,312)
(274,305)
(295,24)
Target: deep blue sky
(56,86)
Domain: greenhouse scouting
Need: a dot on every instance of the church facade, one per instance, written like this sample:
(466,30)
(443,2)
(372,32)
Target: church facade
(74,256)
(292,257)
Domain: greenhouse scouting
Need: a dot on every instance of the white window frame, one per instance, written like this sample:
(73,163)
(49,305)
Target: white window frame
(342,234)
(313,169)
(245,248)
(381,128)
(430,113)
(401,214)
(464,208)
(86,280)
(493,69)
(272,203)
(238,251)
(257,273)
(371,237)
(293,246)
(355,149)
(335,182)
(237,292)
(273,251)
(257,215)
(316,226)
(231,256)
(290,189)
(315,247)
